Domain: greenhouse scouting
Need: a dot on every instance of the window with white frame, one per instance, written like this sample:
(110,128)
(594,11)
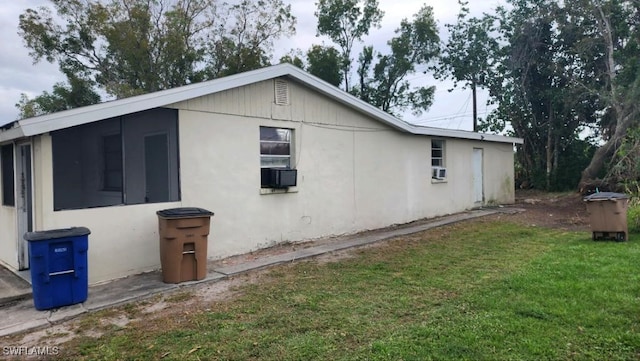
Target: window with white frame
(437,153)
(275,150)
(438,170)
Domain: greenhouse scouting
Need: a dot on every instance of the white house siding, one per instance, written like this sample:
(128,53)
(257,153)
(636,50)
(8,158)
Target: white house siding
(498,173)
(354,173)
(8,236)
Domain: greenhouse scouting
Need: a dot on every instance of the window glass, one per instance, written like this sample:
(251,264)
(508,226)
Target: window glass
(8,186)
(273,148)
(437,153)
(275,162)
(275,134)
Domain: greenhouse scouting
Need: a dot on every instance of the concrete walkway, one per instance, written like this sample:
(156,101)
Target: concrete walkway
(19,314)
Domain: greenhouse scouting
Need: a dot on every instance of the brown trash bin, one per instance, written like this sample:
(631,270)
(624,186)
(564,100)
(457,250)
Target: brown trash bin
(608,215)
(183,243)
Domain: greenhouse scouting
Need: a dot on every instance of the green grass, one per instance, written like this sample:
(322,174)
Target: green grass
(481,290)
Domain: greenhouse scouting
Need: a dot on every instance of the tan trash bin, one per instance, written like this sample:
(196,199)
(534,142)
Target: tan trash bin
(183,243)
(608,215)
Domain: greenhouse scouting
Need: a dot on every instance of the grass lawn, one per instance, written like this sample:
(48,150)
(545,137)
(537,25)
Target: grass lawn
(480,290)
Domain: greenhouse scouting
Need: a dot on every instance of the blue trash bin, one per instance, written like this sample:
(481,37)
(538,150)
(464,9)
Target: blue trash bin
(58,262)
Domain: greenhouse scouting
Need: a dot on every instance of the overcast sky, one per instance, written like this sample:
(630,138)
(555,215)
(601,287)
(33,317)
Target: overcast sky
(453,110)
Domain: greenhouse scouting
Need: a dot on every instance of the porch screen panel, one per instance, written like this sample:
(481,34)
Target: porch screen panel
(83,164)
(8,185)
(151,156)
(126,160)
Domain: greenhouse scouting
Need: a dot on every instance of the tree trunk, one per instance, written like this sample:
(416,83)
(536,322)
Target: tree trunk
(606,151)
(623,121)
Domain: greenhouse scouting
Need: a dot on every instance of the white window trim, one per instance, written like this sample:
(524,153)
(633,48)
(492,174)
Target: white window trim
(268,190)
(442,161)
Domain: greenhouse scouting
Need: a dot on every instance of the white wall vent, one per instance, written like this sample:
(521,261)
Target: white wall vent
(439,173)
(282,92)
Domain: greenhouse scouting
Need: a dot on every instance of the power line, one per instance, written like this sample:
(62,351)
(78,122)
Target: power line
(448,117)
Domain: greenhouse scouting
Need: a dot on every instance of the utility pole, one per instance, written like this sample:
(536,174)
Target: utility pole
(475,106)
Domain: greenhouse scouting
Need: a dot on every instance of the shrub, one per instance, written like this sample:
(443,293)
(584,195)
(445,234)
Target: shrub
(633,215)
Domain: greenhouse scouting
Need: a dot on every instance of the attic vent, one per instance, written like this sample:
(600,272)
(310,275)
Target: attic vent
(282,92)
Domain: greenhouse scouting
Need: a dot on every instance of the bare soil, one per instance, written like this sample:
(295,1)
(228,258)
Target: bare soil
(553,210)
(565,211)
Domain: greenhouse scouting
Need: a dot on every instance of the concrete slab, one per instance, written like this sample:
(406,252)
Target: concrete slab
(65,313)
(25,326)
(12,287)
(20,316)
(125,290)
(254,264)
(212,276)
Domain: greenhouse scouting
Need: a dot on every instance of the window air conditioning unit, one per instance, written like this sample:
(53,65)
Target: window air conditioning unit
(279,177)
(439,173)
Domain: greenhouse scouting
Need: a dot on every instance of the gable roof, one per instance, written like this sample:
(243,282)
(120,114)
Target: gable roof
(69,118)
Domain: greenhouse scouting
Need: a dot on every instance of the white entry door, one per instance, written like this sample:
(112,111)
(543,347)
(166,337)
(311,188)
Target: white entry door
(24,201)
(478,187)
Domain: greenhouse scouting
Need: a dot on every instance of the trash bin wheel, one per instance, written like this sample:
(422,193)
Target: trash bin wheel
(621,237)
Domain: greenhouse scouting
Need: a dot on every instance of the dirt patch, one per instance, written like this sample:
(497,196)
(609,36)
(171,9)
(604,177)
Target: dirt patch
(563,211)
(553,210)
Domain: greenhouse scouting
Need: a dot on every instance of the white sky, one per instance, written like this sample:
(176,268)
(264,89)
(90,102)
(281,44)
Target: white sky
(453,110)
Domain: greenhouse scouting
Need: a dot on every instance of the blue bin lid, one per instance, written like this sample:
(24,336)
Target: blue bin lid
(605,196)
(56,233)
(184,212)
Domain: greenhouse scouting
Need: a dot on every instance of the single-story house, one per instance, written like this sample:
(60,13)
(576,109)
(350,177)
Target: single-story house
(278,154)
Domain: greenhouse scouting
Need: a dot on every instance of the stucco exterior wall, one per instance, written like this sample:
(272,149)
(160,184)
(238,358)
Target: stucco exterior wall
(354,174)
(499,174)
(8,237)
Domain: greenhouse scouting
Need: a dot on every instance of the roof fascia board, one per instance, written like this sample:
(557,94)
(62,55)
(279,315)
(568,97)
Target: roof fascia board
(462,134)
(11,134)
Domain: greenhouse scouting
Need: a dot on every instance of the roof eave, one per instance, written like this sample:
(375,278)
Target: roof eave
(10,134)
(77,116)
(353,102)
(68,118)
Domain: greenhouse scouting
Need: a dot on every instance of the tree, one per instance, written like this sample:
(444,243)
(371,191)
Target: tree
(325,63)
(247,42)
(322,61)
(556,69)
(538,84)
(469,53)
(294,58)
(617,29)
(78,93)
(386,85)
(129,47)
(344,22)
